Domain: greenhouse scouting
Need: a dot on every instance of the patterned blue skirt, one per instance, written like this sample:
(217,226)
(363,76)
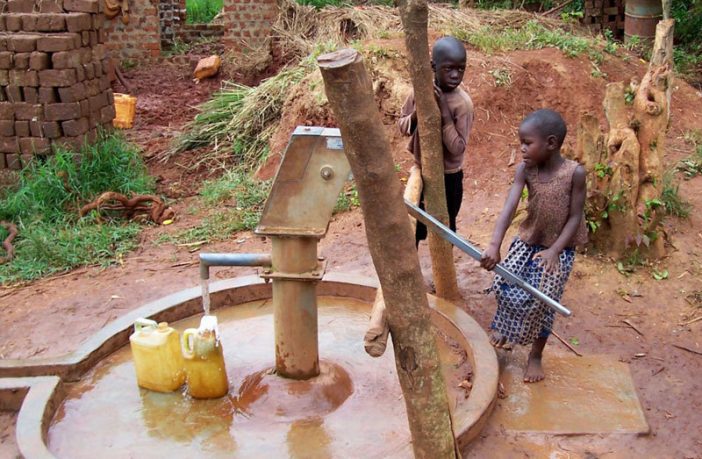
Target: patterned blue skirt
(520,317)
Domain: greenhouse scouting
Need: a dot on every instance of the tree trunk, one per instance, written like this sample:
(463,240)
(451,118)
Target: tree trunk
(391,245)
(626,174)
(414,15)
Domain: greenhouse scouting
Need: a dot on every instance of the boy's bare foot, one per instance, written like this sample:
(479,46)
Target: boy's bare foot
(499,341)
(534,371)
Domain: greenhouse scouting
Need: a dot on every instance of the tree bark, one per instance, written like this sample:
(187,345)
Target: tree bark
(415,16)
(391,243)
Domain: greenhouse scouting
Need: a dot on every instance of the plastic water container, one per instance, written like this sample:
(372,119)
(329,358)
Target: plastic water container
(157,359)
(125,111)
(204,360)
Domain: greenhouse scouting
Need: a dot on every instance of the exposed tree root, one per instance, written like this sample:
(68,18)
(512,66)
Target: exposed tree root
(112,201)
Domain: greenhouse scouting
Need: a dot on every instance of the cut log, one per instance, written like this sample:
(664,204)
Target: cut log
(392,247)
(376,338)
(413,191)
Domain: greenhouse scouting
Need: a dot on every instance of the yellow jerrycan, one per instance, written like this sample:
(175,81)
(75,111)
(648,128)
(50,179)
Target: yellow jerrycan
(204,360)
(157,359)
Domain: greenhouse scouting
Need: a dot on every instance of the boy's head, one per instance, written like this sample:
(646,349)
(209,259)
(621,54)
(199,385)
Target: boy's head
(448,60)
(541,135)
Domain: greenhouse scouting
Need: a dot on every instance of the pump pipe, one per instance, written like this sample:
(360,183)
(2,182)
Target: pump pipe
(231,259)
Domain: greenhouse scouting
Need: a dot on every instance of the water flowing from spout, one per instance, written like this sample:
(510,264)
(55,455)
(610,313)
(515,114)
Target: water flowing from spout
(205,285)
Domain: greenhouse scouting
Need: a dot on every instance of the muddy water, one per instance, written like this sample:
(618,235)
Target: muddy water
(355,408)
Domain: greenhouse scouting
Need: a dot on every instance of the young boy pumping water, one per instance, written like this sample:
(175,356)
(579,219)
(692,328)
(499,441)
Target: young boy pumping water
(448,60)
(543,252)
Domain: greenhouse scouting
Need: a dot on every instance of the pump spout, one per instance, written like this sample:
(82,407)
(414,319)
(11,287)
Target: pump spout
(231,259)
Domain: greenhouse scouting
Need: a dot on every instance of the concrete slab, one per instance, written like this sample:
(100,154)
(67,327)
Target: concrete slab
(580,395)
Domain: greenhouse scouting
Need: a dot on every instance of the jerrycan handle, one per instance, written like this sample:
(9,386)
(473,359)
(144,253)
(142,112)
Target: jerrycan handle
(186,342)
(142,323)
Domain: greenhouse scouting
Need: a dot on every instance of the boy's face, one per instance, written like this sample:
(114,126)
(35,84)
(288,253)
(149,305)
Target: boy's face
(449,70)
(535,147)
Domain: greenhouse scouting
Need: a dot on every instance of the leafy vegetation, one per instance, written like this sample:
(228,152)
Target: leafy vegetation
(202,11)
(44,206)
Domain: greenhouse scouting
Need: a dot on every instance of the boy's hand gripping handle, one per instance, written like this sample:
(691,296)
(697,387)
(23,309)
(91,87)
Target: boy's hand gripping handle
(446,233)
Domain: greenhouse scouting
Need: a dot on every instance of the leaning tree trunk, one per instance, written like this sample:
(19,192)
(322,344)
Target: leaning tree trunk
(625,166)
(415,16)
(391,245)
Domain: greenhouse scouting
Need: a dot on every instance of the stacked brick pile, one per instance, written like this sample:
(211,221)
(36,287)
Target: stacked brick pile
(55,77)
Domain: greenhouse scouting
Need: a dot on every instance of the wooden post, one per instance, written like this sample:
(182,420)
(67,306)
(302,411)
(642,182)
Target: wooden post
(391,243)
(414,15)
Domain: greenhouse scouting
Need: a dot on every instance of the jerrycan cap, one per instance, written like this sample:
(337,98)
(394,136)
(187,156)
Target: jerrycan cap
(163,327)
(145,325)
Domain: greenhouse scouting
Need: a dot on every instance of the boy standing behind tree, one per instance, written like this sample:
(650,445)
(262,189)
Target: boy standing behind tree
(448,60)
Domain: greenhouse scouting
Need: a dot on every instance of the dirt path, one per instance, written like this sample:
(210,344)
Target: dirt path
(53,316)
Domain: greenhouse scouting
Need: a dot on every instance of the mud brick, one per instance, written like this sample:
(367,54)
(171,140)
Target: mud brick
(13,161)
(57,78)
(68,143)
(65,59)
(13,22)
(29,22)
(105,83)
(35,128)
(30,95)
(3,97)
(98,21)
(85,107)
(20,6)
(28,112)
(98,69)
(56,43)
(2,28)
(4,78)
(48,95)
(81,6)
(98,101)
(52,129)
(9,145)
(89,70)
(74,128)
(6,60)
(39,61)
(99,52)
(24,77)
(93,134)
(23,43)
(53,22)
(110,97)
(7,111)
(7,128)
(4,43)
(80,73)
(3,164)
(22,128)
(94,120)
(31,145)
(62,112)
(102,36)
(26,159)
(13,93)
(85,38)
(107,114)
(92,87)
(94,40)
(50,6)
(73,93)
(22,61)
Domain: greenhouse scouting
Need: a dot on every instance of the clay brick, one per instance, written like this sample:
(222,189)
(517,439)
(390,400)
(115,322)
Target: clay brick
(30,95)
(26,159)
(105,83)
(94,120)
(28,112)
(4,78)
(81,6)
(48,95)
(68,143)
(73,93)
(13,160)
(8,145)
(85,107)
(50,6)
(35,128)
(13,22)
(56,43)
(89,71)
(62,112)
(4,43)
(80,73)
(39,61)
(92,87)
(110,97)
(13,93)
(86,55)
(57,78)
(22,128)
(98,21)
(78,22)
(24,77)
(23,43)
(98,69)
(99,52)
(3,164)
(107,114)
(20,6)
(29,22)
(52,129)
(94,38)
(7,128)
(21,61)
(2,29)
(51,22)
(6,60)
(65,59)
(31,145)
(74,128)
(98,101)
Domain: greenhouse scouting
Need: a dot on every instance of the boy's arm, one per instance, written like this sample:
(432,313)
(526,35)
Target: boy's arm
(549,256)
(491,257)
(454,132)
(408,117)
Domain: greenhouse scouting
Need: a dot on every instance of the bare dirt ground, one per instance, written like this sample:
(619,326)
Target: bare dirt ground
(53,316)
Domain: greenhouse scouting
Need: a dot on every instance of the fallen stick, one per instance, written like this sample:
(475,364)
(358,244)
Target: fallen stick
(626,321)
(687,349)
(376,338)
(696,319)
(7,243)
(557,8)
(566,343)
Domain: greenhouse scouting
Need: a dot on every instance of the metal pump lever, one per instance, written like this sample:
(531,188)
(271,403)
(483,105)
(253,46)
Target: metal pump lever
(445,233)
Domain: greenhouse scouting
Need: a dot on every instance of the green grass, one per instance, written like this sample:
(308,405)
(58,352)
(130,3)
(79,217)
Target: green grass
(45,203)
(347,200)
(202,11)
(670,197)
